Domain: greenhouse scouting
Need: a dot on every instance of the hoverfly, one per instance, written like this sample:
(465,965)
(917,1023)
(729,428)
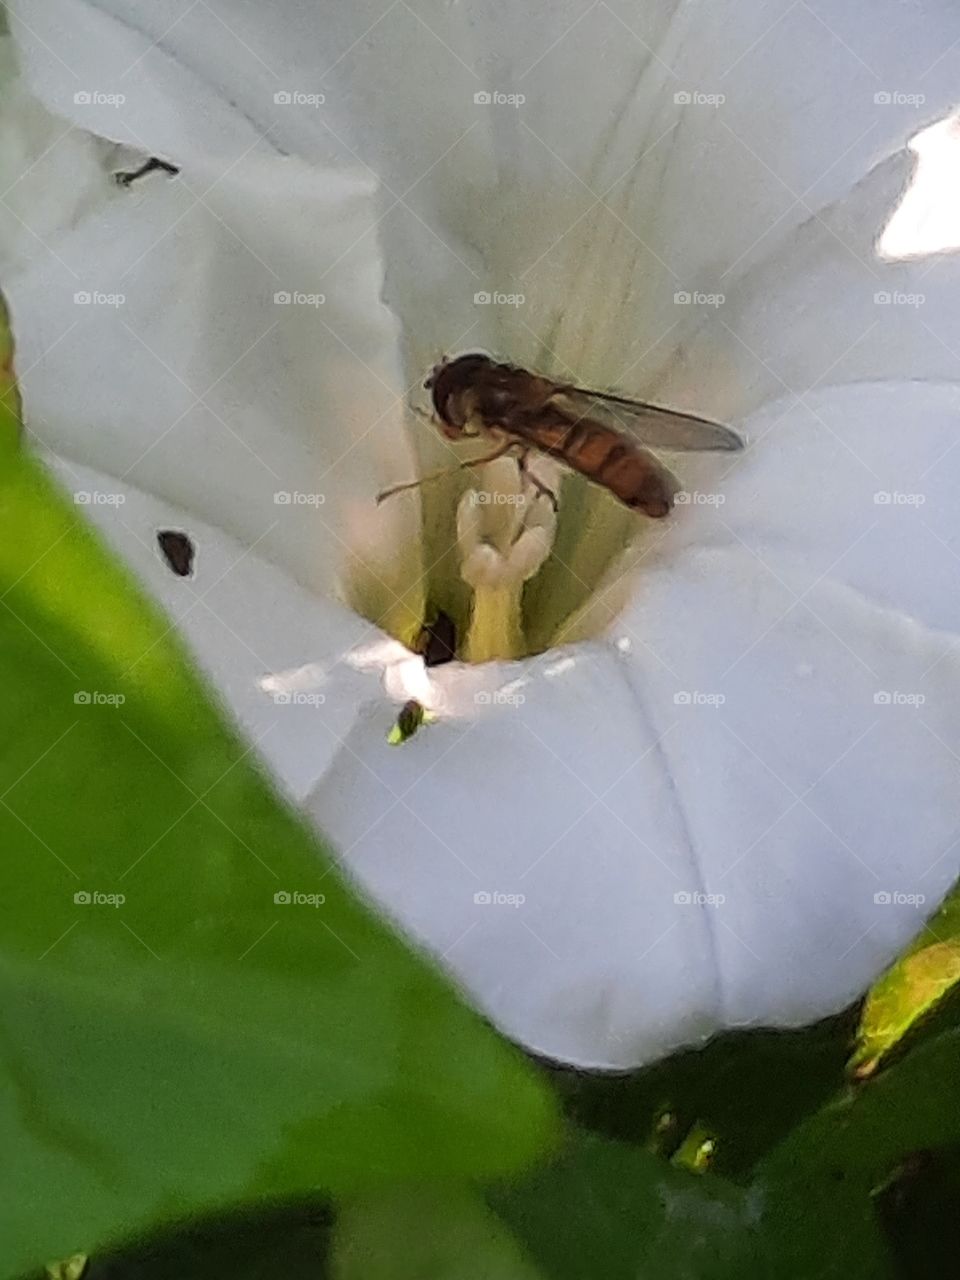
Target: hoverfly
(606,438)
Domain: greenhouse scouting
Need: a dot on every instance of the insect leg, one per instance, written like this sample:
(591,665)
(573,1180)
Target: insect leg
(543,491)
(431,421)
(446,471)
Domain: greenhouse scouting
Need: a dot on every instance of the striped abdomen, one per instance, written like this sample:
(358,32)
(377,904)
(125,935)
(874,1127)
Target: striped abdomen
(603,455)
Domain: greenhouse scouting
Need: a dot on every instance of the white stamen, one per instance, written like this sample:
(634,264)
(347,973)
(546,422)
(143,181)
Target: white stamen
(505,532)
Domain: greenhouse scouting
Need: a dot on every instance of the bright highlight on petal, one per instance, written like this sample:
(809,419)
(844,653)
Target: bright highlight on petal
(927,220)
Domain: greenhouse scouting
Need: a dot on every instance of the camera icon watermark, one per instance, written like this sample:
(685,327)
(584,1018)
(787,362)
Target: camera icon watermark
(898,298)
(483,498)
(696,298)
(297,298)
(496,298)
(85,898)
(298,698)
(297,98)
(97,98)
(95,298)
(694,898)
(895,698)
(895,898)
(494,898)
(94,698)
(506,697)
(698,498)
(95,498)
(696,698)
(894,498)
(286,898)
(897,98)
(695,98)
(296,498)
(494,98)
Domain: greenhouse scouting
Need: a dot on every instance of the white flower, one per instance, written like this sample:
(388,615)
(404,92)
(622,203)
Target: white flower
(718,804)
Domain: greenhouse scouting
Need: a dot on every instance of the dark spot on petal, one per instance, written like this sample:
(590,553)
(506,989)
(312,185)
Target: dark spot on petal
(178,550)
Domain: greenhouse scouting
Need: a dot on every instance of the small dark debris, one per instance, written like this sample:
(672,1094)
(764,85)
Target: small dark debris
(410,718)
(152,165)
(437,642)
(178,551)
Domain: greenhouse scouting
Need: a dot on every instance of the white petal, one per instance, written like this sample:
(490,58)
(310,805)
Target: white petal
(804,796)
(563,799)
(610,196)
(245,620)
(856,485)
(34,144)
(780,759)
(825,309)
(749,202)
(246,369)
(98,71)
(830,771)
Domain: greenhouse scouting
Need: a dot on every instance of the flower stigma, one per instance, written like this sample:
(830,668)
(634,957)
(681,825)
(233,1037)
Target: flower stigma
(505,532)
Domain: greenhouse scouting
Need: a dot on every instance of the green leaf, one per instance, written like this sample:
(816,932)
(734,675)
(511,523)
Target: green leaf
(748,1088)
(864,1133)
(818,1224)
(910,991)
(262,1243)
(606,1208)
(829,1169)
(919,1215)
(411,1232)
(193,1043)
(72,1268)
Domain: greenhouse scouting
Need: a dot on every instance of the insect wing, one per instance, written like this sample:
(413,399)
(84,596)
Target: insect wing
(649,424)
